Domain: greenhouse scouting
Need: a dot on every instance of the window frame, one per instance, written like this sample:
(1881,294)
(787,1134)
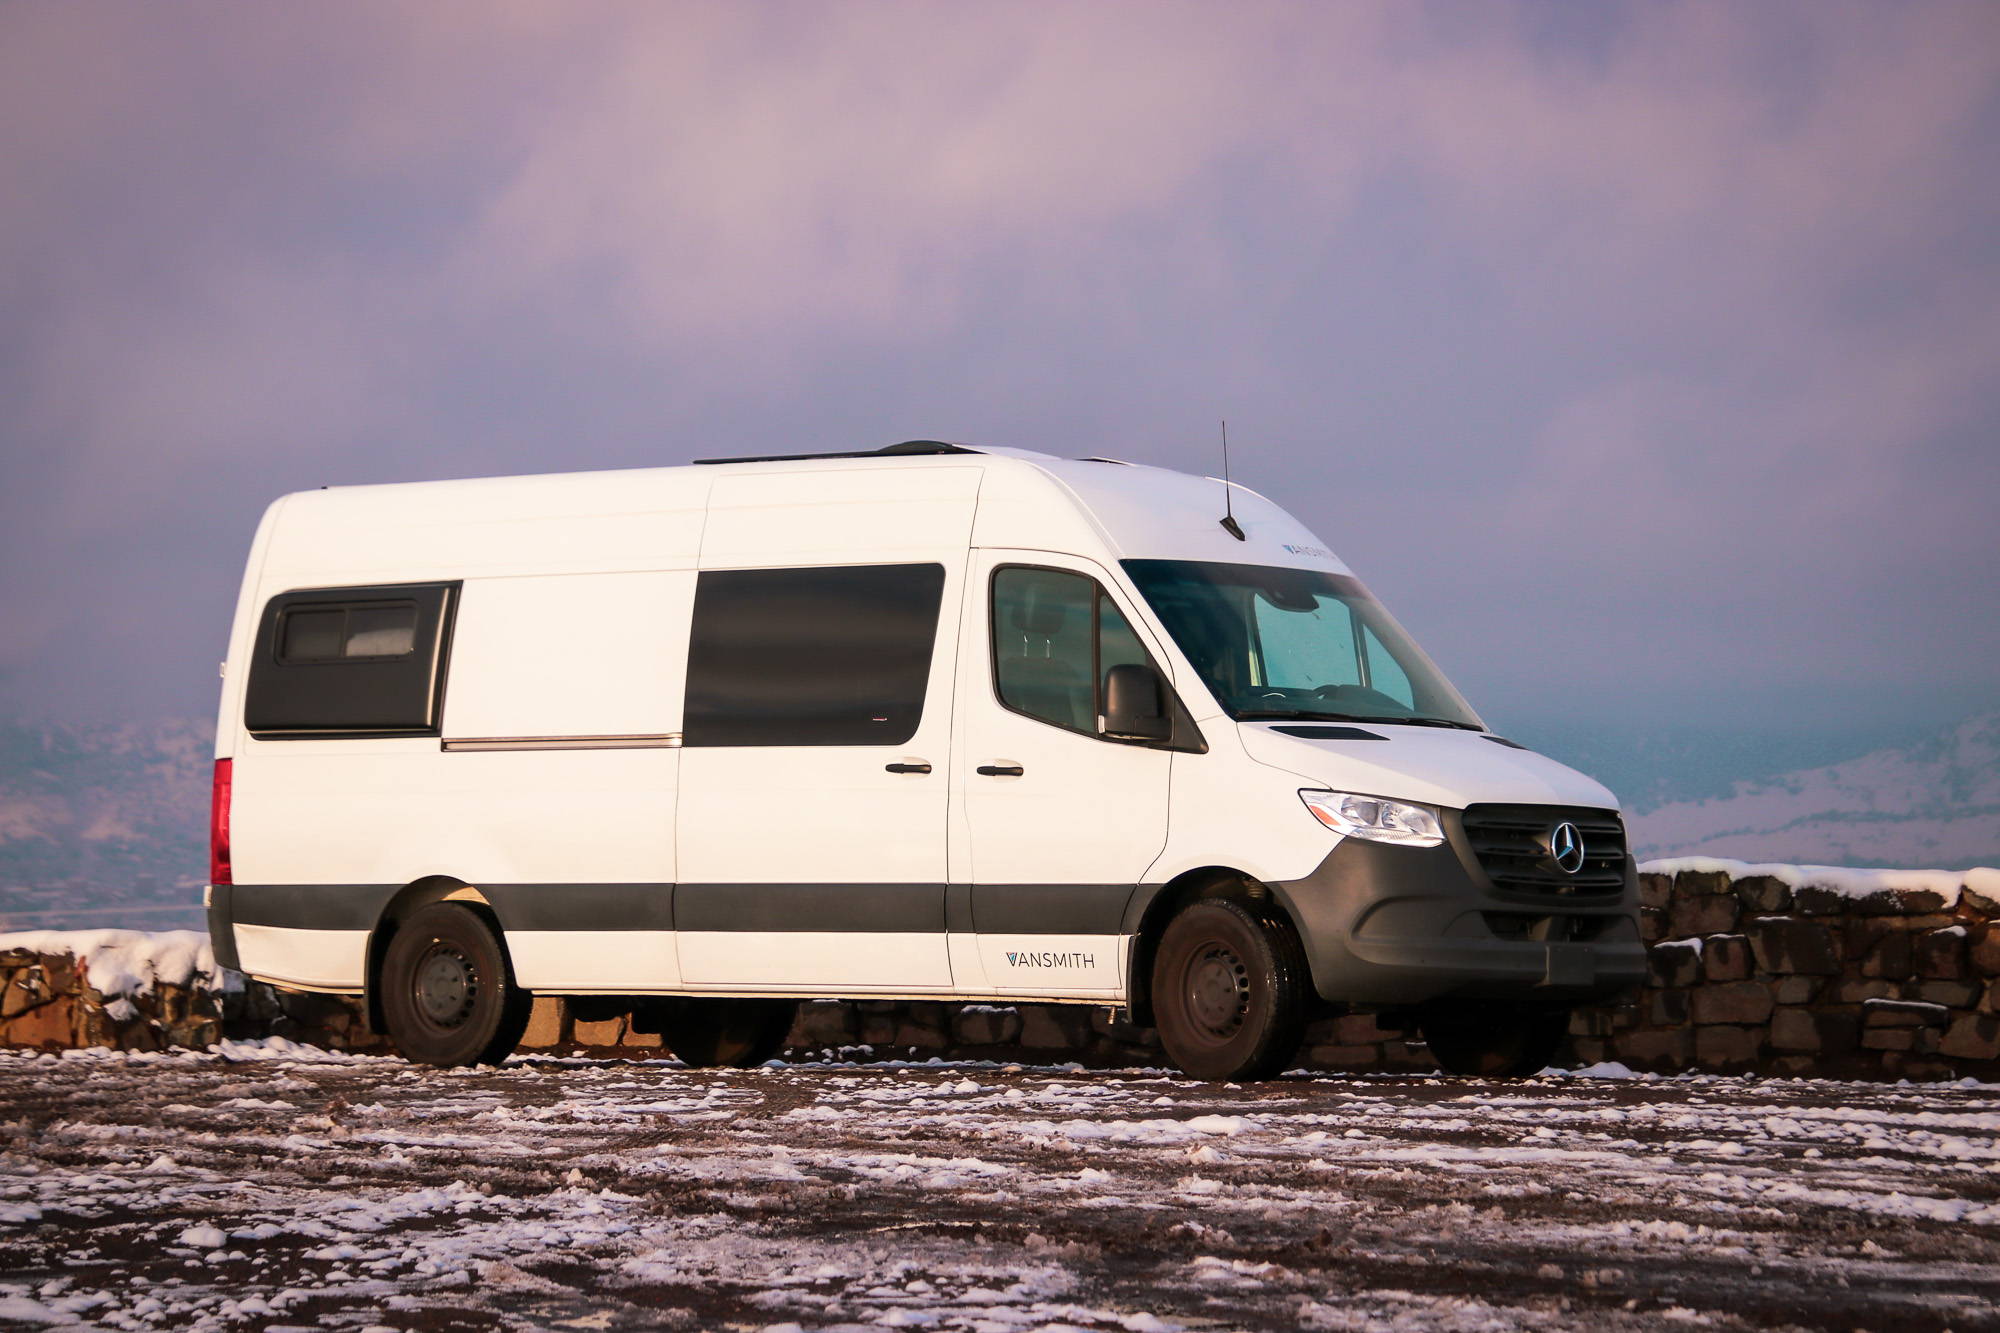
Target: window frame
(278,683)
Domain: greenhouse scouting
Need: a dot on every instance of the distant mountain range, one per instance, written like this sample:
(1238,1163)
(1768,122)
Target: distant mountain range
(109,825)
(104,826)
(1933,804)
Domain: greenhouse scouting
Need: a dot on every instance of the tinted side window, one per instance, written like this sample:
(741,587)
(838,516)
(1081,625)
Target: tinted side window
(1042,646)
(1117,643)
(830,656)
(350,661)
(1055,636)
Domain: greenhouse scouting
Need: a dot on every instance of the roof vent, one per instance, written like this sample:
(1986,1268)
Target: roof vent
(907,449)
(926,447)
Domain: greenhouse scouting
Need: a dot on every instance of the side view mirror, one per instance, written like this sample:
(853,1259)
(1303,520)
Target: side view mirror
(1135,704)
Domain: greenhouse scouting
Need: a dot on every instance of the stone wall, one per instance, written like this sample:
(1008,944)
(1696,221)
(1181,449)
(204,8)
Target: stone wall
(149,992)
(1787,970)
(1775,969)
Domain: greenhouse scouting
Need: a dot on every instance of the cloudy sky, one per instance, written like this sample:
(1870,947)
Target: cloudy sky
(1645,359)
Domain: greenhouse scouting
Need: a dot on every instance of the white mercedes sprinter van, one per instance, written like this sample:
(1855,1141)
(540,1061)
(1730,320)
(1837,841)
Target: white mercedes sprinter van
(930,722)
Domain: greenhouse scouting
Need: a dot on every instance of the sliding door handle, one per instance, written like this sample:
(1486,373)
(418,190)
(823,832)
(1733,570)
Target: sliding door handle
(1000,770)
(918,767)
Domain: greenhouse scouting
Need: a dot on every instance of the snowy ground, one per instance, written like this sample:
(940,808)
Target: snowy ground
(273,1187)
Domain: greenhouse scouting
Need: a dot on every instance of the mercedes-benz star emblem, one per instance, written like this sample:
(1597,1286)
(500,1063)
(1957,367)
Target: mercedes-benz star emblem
(1566,845)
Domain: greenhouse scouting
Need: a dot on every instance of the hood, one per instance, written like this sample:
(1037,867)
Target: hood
(1428,765)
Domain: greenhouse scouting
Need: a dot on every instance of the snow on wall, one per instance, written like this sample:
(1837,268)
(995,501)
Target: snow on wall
(125,962)
(1841,880)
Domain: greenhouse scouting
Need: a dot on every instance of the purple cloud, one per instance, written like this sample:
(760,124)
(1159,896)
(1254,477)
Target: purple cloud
(1679,319)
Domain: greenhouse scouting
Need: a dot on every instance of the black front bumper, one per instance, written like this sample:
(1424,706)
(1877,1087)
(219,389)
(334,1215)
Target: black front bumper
(1387,925)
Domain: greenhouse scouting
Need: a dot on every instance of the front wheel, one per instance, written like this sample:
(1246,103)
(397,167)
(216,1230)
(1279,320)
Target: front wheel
(1493,1040)
(1229,992)
(445,990)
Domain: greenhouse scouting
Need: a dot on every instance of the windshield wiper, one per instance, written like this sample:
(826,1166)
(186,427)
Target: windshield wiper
(1428,722)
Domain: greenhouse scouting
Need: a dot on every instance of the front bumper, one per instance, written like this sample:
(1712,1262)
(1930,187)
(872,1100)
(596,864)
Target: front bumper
(1387,925)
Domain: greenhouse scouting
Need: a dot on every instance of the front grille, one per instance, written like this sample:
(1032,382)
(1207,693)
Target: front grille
(1511,843)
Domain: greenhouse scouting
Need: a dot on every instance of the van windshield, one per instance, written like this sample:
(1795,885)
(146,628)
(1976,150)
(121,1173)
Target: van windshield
(1303,644)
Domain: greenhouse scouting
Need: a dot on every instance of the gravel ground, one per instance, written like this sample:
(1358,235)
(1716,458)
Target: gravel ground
(269,1186)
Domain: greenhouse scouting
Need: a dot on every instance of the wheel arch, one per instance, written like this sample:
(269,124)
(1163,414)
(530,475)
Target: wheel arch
(408,900)
(1155,905)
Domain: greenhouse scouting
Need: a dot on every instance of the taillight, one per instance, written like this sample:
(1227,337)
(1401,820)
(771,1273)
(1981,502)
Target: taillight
(218,826)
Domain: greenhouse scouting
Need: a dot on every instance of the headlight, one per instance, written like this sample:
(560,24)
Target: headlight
(1375,819)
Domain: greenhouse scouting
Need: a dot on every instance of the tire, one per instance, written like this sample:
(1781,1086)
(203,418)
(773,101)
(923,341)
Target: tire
(1493,1039)
(447,994)
(1230,990)
(719,1034)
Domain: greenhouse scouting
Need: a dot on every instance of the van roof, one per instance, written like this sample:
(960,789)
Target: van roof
(614,519)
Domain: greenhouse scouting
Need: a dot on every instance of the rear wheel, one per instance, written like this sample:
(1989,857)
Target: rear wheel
(711,1033)
(1229,991)
(446,993)
(1494,1040)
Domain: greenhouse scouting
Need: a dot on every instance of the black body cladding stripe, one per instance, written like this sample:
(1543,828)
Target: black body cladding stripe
(887,908)
(310,906)
(582,906)
(1014,909)
(1049,909)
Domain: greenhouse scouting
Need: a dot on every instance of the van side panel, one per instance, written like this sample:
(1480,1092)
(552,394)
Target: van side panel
(815,866)
(577,852)
(356,820)
(576,655)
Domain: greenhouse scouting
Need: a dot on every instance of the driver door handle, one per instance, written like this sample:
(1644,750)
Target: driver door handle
(1000,770)
(918,767)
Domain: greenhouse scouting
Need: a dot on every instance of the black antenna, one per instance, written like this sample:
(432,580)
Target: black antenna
(1229,523)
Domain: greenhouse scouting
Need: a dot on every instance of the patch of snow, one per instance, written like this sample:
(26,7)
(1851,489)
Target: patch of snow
(1845,881)
(125,962)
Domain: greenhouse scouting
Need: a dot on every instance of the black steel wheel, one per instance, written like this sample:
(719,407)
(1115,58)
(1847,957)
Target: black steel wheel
(706,1033)
(1493,1039)
(1230,991)
(446,991)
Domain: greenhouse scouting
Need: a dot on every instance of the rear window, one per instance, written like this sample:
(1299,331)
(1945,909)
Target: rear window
(350,662)
(837,655)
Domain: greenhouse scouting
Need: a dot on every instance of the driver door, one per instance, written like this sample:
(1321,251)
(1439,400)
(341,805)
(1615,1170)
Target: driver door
(1059,824)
